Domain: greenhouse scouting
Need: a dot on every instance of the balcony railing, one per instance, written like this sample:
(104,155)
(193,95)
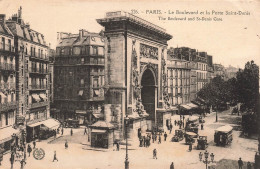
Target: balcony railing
(37,70)
(7,66)
(39,104)
(179,66)
(36,55)
(37,87)
(6,47)
(7,85)
(8,106)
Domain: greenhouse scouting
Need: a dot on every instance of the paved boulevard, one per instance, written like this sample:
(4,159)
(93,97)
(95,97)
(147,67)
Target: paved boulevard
(81,156)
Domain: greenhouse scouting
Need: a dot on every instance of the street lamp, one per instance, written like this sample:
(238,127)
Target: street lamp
(126,150)
(206,161)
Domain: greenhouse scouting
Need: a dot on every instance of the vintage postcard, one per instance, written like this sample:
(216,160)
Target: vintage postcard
(143,84)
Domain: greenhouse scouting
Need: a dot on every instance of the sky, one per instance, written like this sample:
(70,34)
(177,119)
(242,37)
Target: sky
(232,41)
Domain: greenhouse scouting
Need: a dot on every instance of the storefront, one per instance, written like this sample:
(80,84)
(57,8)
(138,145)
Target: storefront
(41,129)
(8,135)
(102,134)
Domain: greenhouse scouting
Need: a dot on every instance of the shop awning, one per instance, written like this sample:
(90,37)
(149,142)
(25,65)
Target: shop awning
(81,112)
(36,97)
(186,107)
(192,105)
(6,134)
(98,115)
(2,95)
(51,123)
(43,96)
(98,131)
(80,92)
(35,124)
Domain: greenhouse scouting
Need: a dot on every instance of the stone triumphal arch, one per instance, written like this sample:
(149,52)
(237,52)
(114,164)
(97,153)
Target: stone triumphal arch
(135,72)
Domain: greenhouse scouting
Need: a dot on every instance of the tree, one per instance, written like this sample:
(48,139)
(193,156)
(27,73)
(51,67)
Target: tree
(248,86)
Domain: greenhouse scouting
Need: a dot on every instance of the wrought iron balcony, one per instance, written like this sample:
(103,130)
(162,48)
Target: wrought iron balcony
(37,87)
(6,47)
(8,106)
(7,66)
(38,71)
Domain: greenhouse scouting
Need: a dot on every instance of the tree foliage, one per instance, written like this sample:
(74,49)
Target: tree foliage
(242,89)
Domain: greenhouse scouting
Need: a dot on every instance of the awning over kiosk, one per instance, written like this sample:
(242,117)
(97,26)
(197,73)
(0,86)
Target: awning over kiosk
(98,131)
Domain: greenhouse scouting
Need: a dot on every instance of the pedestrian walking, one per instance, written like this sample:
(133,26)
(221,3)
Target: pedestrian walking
(201,126)
(34,144)
(117,146)
(55,157)
(153,137)
(22,163)
(172,166)
(85,131)
(171,128)
(159,140)
(62,130)
(55,134)
(71,132)
(12,160)
(249,165)
(141,142)
(165,136)
(66,144)
(190,147)
(175,122)
(240,163)
(29,149)
(1,158)
(155,154)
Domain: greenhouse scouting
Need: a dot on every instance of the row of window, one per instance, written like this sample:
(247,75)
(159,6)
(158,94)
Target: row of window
(82,60)
(178,82)
(7,118)
(80,50)
(179,100)
(6,44)
(178,73)
(180,90)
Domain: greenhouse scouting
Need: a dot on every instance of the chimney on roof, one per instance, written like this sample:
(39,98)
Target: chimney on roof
(80,34)
(20,12)
(2,18)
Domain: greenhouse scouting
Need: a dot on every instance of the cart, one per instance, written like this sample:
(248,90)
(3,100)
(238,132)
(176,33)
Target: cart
(202,143)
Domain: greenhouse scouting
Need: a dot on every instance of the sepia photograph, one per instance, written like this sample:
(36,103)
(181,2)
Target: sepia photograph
(120,84)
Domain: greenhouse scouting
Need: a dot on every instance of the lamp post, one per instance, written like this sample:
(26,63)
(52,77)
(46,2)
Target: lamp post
(207,161)
(216,116)
(126,150)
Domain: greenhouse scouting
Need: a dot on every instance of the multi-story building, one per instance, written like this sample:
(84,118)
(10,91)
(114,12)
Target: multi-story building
(7,85)
(79,76)
(178,73)
(32,77)
(210,73)
(201,69)
(193,75)
(219,70)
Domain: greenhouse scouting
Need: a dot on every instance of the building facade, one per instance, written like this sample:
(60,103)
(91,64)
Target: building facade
(79,76)
(32,77)
(8,104)
(179,76)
